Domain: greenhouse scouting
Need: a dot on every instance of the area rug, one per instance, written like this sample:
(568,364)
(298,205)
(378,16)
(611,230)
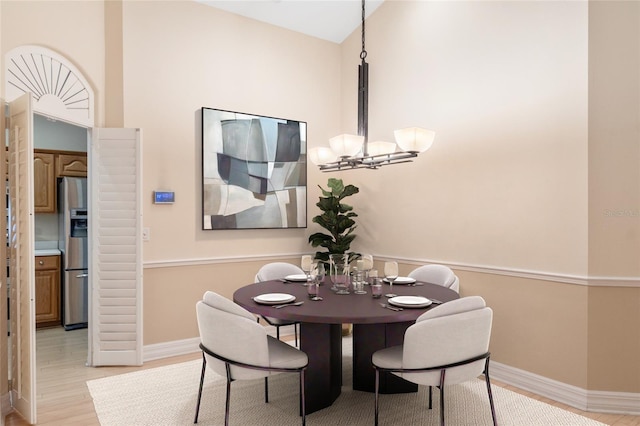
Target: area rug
(167,396)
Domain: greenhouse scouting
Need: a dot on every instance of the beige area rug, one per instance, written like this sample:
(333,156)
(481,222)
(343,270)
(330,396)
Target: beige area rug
(167,396)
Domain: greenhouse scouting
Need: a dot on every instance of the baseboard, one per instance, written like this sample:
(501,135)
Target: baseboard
(582,399)
(5,405)
(614,402)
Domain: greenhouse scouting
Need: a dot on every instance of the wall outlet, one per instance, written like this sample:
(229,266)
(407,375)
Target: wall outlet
(146,234)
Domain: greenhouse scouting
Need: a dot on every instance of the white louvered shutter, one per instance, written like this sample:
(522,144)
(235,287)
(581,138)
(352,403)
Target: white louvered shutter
(115,233)
(22,261)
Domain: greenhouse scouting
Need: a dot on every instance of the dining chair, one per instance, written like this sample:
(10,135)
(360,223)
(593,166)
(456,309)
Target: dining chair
(277,271)
(437,274)
(448,344)
(235,346)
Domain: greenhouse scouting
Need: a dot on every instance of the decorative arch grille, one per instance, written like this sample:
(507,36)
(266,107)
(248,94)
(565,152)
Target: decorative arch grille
(58,89)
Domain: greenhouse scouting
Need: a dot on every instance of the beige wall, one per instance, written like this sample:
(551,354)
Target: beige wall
(504,85)
(215,59)
(504,194)
(614,194)
(614,135)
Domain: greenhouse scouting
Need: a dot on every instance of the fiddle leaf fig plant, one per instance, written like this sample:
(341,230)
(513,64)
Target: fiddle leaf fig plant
(336,218)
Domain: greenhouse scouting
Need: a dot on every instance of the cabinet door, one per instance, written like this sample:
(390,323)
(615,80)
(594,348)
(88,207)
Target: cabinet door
(47,287)
(44,182)
(72,165)
(47,298)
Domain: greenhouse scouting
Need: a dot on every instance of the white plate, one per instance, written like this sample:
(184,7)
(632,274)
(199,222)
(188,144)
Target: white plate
(296,277)
(274,298)
(402,280)
(410,301)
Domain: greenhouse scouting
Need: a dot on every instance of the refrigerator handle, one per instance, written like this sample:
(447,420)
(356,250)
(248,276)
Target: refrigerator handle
(82,276)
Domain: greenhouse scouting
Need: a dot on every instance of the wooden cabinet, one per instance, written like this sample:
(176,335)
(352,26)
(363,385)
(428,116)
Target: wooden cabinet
(72,165)
(47,167)
(48,309)
(44,182)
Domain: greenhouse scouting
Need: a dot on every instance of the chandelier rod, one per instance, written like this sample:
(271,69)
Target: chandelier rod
(363,91)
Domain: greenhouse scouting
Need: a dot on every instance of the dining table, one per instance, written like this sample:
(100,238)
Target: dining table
(374,327)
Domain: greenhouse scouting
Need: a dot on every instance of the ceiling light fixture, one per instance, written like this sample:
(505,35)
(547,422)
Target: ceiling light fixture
(355,151)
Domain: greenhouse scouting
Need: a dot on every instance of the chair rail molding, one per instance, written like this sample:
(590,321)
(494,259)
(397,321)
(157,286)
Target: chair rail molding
(594,281)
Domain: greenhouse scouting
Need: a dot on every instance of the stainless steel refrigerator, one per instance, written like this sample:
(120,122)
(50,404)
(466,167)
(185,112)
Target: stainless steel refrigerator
(72,212)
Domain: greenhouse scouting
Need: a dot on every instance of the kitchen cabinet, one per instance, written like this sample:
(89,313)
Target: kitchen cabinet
(44,182)
(47,283)
(71,164)
(47,167)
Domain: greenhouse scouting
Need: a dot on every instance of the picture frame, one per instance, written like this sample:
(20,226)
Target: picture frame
(254,171)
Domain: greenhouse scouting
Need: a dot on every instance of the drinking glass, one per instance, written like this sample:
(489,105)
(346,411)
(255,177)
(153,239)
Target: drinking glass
(305,264)
(317,270)
(391,273)
(367,266)
(376,288)
(320,273)
(358,279)
(339,264)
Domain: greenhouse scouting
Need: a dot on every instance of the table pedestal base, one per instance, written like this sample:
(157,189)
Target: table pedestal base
(367,339)
(323,345)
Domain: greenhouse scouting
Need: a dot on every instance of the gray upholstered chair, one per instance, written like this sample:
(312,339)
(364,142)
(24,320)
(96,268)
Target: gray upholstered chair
(277,271)
(235,346)
(448,344)
(437,274)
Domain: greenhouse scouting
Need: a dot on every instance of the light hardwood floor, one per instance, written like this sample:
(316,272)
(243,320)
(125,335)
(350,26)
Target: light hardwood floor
(64,399)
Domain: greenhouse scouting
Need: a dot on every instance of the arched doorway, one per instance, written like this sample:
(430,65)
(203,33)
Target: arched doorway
(56,89)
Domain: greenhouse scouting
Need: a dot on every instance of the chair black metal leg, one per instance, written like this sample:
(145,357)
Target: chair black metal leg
(377,386)
(430,397)
(266,390)
(204,366)
(442,397)
(228,400)
(278,332)
(304,411)
(295,332)
(486,378)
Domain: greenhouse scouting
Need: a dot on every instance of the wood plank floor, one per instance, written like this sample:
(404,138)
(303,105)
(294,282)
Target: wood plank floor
(64,399)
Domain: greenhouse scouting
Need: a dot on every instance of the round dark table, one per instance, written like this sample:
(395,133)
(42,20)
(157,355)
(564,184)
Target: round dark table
(374,328)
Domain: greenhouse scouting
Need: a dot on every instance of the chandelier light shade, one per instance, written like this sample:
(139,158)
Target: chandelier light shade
(356,152)
(381,148)
(346,145)
(322,155)
(414,139)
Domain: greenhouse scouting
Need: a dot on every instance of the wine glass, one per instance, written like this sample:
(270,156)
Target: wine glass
(305,263)
(391,273)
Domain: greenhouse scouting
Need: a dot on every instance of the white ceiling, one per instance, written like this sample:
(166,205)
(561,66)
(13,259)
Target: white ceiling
(331,20)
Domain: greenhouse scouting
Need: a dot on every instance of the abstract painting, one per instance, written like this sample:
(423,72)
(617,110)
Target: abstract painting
(254,171)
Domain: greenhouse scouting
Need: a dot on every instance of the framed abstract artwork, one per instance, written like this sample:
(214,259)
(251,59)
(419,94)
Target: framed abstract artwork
(254,171)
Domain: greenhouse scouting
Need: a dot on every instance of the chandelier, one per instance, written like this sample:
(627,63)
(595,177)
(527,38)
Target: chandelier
(355,151)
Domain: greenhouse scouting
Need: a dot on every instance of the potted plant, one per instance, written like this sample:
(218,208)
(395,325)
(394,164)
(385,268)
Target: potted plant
(337,219)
